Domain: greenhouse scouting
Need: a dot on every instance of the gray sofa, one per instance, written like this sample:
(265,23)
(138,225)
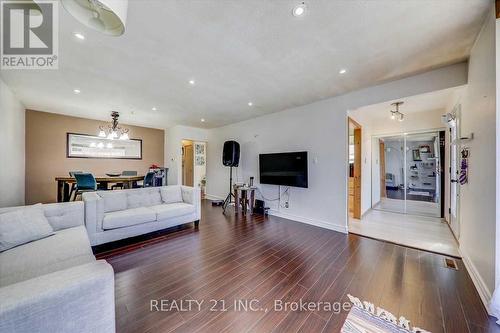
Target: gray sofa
(115,215)
(55,284)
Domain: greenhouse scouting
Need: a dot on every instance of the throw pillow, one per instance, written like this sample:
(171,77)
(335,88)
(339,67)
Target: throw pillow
(23,225)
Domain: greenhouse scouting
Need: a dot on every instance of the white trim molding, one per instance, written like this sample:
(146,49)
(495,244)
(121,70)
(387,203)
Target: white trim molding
(481,287)
(306,220)
(212,197)
(301,219)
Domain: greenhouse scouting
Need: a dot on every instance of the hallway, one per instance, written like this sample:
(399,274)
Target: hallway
(421,232)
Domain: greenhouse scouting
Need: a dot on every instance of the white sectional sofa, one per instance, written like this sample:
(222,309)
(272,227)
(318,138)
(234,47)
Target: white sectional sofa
(55,284)
(114,215)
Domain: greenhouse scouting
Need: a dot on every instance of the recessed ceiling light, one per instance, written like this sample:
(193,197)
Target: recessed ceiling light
(76,91)
(250,103)
(299,10)
(79,35)
(154,108)
(343,71)
(192,82)
(202,120)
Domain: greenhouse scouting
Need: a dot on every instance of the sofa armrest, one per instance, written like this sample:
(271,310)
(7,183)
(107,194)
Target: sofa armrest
(94,212)
(78,299)
(192,195)
(64,215)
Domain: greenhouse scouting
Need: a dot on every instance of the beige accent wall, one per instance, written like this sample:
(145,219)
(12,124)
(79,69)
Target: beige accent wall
(46,152)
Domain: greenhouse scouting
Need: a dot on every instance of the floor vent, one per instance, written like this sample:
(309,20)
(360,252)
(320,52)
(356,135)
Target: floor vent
(450,263)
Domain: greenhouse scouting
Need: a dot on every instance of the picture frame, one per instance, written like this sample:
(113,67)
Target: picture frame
(89,146)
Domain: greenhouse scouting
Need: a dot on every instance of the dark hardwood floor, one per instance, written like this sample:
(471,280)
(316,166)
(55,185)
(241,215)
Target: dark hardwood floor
(244,258)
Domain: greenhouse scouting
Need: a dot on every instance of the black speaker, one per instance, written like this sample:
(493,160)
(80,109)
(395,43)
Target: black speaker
(231,154)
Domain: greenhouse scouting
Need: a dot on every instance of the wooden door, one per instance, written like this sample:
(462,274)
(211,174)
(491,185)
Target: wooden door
(383,190)
(356,212)
(188,166)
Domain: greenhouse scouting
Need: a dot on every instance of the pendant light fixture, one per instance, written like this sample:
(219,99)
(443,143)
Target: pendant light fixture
(395,114)
(113,131)
(106,16)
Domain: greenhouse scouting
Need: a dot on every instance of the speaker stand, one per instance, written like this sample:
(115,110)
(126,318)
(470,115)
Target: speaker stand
(230,196)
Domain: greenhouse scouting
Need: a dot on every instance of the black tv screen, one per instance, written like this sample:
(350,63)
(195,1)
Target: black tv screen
(287,169)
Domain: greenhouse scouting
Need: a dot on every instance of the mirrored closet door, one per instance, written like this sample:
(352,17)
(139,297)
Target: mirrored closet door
(406,173)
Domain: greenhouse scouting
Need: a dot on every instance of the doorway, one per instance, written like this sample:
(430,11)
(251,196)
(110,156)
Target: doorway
(453,123)
(194,164)
(187,163)
(354,182)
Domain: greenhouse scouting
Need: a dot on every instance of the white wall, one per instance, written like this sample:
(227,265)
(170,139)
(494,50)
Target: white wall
(477,197)
(173,149)
(12,148)
(321,129)
(199,171)
(373,127)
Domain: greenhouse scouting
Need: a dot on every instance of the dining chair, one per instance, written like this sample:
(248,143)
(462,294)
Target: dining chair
(85,182)
(125,173)
(148,179)
(73,185)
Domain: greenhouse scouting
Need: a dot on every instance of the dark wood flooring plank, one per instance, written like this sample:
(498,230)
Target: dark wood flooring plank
(234,257)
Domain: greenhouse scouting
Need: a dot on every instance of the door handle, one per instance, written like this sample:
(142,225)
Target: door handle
(453,180)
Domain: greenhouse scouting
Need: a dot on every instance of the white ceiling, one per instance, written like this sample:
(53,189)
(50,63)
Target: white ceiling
(241,51)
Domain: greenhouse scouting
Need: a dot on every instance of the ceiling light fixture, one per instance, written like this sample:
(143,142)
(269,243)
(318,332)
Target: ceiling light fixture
(343,71)
(250,103)
(79,35)
(192,82)
(113,131)
(76,91)
(202,120)
(106,16)
(154,108)
(395,114)
(299,10)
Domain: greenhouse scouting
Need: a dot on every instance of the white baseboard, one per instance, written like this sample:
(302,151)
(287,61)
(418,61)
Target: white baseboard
(315,222)
(213,197)
(481,287)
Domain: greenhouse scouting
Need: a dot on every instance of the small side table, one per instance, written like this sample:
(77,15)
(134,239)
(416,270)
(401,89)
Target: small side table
(244,198)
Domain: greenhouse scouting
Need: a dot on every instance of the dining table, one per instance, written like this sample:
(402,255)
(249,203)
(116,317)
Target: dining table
(64,183)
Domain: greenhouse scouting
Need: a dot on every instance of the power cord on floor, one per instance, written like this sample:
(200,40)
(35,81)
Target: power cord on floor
(280,194)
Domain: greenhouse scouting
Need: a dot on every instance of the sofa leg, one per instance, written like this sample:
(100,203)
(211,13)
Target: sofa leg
(196,223)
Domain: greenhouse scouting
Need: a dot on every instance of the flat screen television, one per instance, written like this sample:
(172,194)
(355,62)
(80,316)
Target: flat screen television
(287,169)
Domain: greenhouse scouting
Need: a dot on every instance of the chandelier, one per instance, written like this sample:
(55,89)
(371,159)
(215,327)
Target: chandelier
(113,131)
(395,114)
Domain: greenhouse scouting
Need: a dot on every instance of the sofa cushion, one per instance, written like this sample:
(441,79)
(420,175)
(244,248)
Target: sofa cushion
(65,249)
(167,211)
(154,196)
(65,215)
(113,200)
(138,199)
(143,197)
(22,226)
(128,217)
(171,194)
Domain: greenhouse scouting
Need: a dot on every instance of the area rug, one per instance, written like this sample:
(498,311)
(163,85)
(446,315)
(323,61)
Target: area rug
(364,318)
